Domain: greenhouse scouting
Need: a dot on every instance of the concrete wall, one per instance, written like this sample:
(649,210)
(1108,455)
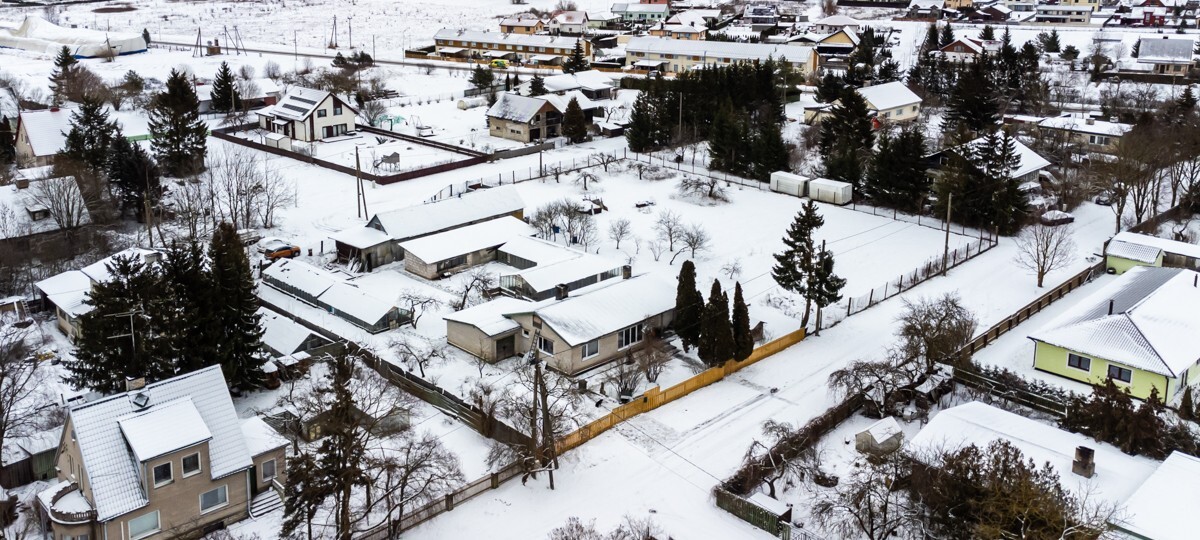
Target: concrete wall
(1053,359)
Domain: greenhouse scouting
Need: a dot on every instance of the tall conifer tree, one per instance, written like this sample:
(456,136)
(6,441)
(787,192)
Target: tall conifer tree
(180,137)
(689,306)
(225,95)
(236,307)
(716,332)
(743,341)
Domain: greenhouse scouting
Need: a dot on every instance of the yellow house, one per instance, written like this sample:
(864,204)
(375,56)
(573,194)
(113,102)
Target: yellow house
(890,102)
(1128,250)
(1139,331)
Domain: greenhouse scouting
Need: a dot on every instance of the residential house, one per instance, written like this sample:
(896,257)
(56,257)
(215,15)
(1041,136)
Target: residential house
(706,18)
(528,119)
(1153,511)
(1088,133)
(1028,168)
(967,49)
(1101,473)
(597,20)
(28,458)
(437,255)
(68,290)
(1138,331)
(268,452)
(596,85)
(378,242)
(1093,5)
(1063,14)
(1021,7)
(255,93)
(1166,55)
(163,460)
(994,13)
(41,135)
(569,23)
(761,17)
(308,114)
(838,44)
(360,306)
(887,102)
(834,23)
(26,207)
(958,5)
(529,49)
(522,24)
(573,333)
(676,55)
(1129,249)
(678,31)
(283,336)
(641,13)
(926,9)
(545,269)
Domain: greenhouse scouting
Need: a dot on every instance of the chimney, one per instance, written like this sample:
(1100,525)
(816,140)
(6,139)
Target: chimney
(22,183)
(626,272)
(561,291)
(1090,121)
(1085,462)
(134,383)
(1110,306)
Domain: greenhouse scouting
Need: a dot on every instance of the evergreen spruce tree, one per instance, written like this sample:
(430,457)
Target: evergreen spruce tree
(90,138)
(305,492)
(1187,408)
(537,86)
(576,62)
(768,152)
(716,331)
(146,36)
(1186,103)
(517,81)
(1008,206)
(796,262)
(988,33)
(237,310)
(1053,44)
(225,96)
(972,108)
(130,302)
(830,88)
(180,137)
(743,341)
(574,125)
(341,452)
(8,150)
(824,286)
(63,76)
(640,133)
(133,175)
(195,331)
(931,42)
(482,78)
(897,177)
(689,307)
(947,36)
(847,138)
(888,71)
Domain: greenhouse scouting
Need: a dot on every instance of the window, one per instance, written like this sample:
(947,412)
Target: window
(451,263)
(191,465)
(268,469)
(629,336)
(143,526)
(545,345)
(322,113)
(1098,139)
(1079,362)
(162,474)
(211,500)
(1120,374)
(337,109)
(591,348)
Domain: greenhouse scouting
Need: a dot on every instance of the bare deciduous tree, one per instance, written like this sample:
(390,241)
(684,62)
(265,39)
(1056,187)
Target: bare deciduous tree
(618,230)
(732,269)
(694,239)
(932,329)
(657,249)
(62,199)
(876,381)
(703,186)
(192,205)
(471,287)
(653,357)
(418,350)
(586,176)
(1044,249)
(624,376)
(602,159)
(420,470)
(867,504)
(417,303)
(669,227)
(24,390)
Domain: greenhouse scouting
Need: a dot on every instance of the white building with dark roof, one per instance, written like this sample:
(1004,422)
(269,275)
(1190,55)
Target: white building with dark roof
(308,114)
(168,458)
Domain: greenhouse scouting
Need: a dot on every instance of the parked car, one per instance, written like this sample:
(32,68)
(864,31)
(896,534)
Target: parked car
(1104,198)
(1057,217)
(275,248)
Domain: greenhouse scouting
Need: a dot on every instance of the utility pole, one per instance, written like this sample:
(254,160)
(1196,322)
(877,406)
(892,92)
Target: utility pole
(295,47)
(360,201)
(946,247)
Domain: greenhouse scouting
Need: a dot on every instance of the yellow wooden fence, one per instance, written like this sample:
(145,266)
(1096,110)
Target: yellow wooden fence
(655,397)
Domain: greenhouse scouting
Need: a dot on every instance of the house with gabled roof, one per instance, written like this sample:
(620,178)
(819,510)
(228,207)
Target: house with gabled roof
(1138,331)
(570,23)
(887,102)
(1167,55)
(1129,249)
(308,114)
(41,135)
(528,119)
(162,460)
(66,292)
(524,23)
(966,49)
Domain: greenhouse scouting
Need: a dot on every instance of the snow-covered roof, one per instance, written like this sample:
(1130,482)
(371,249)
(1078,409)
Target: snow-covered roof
(604,310)
(281,333)
(889,95)
(1117,474)
(18,448)
(1028,161)
(516,108)
(587,80)
(463,240)
(695,17)
(112,470)
(679,28)
(39,35)
(720,49)
(528,40)
(571,17)
(528,21)
(16,206)
(927,4)
(544,277)
(561,102)
(47,129)
(351,299)
(838,20)
(164,429)
(1133,251)
(1169,246)
(1095,127)
(299,103)
(67,291)
(260,438)
(883,429)
(1151,326)
(538,251)
(1165,50)
(301,276)
(99,270)
(423,219)
(641,8)
(1170,493)
(361,237)
(490,318)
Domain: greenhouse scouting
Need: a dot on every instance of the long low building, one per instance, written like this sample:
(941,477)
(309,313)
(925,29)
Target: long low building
(433,256)
(678,55)
(532,49)
(340,297)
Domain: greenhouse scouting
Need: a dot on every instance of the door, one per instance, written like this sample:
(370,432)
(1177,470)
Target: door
(505,347)
(327,132)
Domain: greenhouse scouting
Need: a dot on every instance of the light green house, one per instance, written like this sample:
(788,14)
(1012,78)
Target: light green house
(1127,250)
(1142,331)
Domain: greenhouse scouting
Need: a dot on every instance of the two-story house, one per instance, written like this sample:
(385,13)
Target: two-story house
(528,119)
(526,24)
(307,114)
(163,460)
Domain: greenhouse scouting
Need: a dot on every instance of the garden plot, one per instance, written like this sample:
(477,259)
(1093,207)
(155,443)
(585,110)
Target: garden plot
(370,150)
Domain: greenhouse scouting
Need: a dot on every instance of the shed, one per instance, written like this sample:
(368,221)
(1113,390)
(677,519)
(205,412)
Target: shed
(882,437)
(830,191)
(781,510)
(791,184)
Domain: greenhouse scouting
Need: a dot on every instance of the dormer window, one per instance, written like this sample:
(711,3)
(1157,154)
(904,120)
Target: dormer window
(162,474)
(191,464)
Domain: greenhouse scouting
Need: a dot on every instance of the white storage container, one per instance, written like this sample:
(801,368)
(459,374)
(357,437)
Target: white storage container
(830,191)
(786,182)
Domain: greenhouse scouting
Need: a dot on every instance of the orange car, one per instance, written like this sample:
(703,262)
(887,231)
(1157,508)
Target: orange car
(278,249)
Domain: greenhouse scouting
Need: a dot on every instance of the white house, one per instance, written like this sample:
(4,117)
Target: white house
(1155,510)
(889,102)
(1170,56)
(833,23)
(641,12)
(307,114)
(41,135)
(569,23)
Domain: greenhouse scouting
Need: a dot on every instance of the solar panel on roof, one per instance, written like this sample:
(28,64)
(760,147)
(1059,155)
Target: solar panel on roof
(296,108)
(303,100)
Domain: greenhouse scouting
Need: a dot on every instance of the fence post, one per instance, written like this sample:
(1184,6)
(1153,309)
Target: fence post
(449,501)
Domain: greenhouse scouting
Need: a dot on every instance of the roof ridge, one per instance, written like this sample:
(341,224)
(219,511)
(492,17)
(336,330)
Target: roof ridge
(110,397)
